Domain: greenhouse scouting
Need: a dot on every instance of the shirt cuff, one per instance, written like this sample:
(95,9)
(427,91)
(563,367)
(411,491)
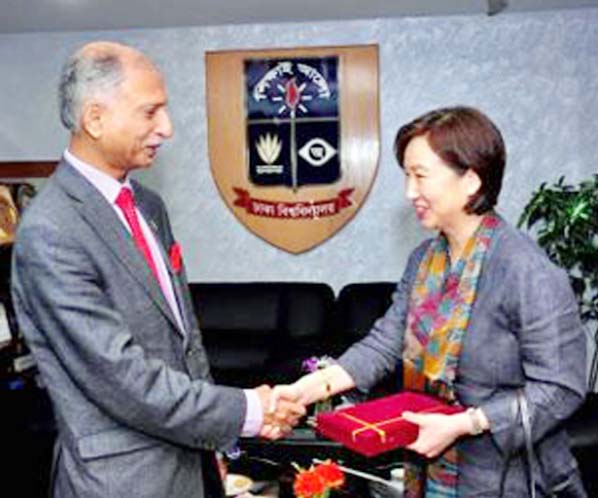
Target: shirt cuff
(254,416)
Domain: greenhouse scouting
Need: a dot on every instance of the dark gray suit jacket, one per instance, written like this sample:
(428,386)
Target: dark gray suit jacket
(132,394)
(524,331)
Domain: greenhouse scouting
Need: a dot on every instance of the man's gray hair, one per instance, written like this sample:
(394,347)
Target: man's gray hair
(84,76)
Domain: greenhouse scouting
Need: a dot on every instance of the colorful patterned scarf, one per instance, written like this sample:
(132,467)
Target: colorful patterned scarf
(439,310)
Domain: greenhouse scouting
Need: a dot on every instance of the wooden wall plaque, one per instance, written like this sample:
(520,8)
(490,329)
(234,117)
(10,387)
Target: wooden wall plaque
(293,137)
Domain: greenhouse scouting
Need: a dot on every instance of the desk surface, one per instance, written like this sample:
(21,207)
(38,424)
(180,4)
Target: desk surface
(303,444)
(273,461)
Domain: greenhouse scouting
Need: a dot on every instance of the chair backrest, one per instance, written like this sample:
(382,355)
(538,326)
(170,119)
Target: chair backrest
(358,306)
(260,332)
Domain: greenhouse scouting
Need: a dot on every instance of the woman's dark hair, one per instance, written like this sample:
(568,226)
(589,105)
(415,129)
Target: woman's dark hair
(464,138)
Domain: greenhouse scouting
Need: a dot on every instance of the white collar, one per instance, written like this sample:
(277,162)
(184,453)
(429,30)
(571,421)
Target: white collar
(108,186)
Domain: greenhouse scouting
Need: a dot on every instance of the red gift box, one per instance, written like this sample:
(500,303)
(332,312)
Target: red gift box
(377,426)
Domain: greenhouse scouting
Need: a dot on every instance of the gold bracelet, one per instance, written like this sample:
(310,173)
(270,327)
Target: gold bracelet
(476,424)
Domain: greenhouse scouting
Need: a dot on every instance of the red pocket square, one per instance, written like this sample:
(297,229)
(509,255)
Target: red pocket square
(176,257)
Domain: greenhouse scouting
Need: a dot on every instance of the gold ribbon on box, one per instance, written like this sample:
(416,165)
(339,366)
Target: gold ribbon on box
(375,426)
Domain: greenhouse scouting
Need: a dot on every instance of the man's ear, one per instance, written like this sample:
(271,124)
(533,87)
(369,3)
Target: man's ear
(92,119)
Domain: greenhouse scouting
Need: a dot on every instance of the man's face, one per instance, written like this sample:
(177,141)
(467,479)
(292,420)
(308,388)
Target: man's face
(135,121)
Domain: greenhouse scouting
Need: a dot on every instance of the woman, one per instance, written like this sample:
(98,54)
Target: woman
(479,315)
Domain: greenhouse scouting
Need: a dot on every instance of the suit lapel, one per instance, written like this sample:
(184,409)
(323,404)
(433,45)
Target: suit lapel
(182,297)
(105,222)
(179,284)
(143,205)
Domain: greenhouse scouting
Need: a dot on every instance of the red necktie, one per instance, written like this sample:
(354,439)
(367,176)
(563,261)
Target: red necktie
(126,203)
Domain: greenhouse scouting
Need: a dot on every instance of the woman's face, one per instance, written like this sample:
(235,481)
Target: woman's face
(437,192)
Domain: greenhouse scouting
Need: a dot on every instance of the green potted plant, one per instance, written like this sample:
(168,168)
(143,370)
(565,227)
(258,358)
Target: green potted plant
(565,218)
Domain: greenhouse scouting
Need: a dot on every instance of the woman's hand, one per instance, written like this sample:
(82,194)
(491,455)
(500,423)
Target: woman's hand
(313,387)
(288,392)
(437,431)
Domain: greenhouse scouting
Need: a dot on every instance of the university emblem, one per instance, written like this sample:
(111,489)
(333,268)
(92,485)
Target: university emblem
(293,138)
(293,121)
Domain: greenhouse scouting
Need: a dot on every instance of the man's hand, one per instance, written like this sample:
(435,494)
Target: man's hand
(436,431)
(280,415)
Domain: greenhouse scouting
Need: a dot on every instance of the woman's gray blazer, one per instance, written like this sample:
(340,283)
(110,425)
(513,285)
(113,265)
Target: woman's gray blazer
(524,331)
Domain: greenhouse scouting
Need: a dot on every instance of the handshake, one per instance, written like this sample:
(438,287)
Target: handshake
(282,407)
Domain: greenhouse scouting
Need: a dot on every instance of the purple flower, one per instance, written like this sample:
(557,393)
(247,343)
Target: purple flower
(310,364)
(314,363)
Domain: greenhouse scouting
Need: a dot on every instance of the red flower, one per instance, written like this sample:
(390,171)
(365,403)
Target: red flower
(318,481)
(176,257)
(331,473)
(308,484)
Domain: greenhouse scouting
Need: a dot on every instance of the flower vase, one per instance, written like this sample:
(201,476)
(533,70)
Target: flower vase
(322,406)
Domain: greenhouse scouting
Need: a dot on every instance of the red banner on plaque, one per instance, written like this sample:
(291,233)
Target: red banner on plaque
(293,210)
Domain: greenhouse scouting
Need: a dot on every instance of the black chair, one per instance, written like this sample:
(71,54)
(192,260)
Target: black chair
(28,432)
(261,332)
(358,306)
(583,432)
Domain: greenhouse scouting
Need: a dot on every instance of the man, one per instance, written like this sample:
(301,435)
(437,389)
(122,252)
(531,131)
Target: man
(102,300)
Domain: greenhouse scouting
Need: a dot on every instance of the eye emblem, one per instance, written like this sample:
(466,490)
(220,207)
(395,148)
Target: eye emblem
(317,152)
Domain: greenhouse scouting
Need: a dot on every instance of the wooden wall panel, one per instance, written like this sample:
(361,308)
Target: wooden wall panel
(27,169)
